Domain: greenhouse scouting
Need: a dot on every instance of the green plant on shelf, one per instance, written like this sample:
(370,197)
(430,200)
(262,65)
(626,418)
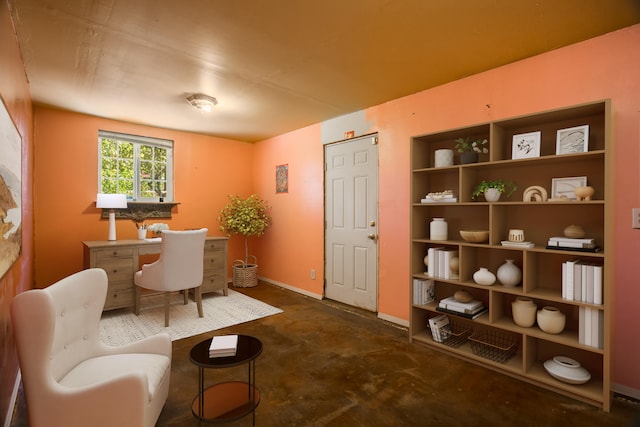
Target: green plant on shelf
(501,185)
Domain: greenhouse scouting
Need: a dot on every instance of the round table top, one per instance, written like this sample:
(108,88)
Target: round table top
(248,349)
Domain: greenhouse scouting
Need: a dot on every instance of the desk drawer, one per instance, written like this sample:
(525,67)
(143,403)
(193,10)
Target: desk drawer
(118,299)
(214,245)
(111,253)
(213,283)
(119,270)
(213,261)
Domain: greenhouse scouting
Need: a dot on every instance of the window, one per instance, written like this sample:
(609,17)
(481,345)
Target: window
(138,166)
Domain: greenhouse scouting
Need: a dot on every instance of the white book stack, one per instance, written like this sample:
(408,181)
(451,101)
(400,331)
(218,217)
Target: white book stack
(223,346)
(439,262)
(423,291)
(591,327)
(440,328)
(582,281)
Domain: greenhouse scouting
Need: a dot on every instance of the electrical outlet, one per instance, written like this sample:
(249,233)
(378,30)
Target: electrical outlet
(635,220)
(313,274)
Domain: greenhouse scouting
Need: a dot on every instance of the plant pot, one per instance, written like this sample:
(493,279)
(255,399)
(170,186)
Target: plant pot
(443,158)
(492,195)
(245,275)
(468,157)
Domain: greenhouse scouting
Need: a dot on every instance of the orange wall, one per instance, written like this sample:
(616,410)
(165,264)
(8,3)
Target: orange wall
(206,170)
(604,67)
(14,91)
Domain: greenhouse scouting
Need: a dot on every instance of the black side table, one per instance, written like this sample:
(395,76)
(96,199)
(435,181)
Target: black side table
(232,400)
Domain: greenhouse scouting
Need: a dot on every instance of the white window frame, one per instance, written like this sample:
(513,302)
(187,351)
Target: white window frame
(137,142)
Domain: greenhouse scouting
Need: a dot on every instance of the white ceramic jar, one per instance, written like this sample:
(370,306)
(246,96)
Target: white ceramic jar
(443,158)
(438,229)
(551,320)
(524,312)
(484,277)
(509,274)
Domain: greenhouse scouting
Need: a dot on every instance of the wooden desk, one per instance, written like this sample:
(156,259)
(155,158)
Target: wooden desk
(120,259)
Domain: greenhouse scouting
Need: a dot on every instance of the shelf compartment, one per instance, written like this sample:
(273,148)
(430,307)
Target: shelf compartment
(495,345)
(424,146)
(458,216)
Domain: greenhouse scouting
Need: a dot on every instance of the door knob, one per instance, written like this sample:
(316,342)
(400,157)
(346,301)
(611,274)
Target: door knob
(372,236)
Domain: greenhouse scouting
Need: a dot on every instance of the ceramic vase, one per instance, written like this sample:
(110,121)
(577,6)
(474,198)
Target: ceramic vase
(142,233)
(524,312)
(492,195)
(438,229)
(551,320)
(484,277)
(509,274)
(443,158)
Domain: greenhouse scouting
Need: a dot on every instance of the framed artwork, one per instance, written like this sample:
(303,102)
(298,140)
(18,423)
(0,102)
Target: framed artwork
(10,191)
(573,140)
(282,179)
(565,187)
(526,145)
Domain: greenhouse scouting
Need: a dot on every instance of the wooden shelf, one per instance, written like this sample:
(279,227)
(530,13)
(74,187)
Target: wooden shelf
(541,267)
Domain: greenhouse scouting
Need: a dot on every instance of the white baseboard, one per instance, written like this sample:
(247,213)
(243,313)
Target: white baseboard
(393,319)
(291,288)
(14,399)
(627,391)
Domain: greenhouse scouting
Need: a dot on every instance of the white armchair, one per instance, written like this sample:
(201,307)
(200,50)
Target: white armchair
(179,268)
(70,377)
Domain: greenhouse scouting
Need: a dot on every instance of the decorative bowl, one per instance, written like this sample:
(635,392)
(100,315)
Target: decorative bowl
(475,236)
(567,370)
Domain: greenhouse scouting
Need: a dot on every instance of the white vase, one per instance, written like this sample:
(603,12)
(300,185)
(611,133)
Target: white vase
(524,312)
(551,320)
(509,274)
(492,195)
(484,277)
(438,229)
(142,233)
(443,158)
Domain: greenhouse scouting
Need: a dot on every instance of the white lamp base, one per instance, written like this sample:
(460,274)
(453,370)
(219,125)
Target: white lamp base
(112,225)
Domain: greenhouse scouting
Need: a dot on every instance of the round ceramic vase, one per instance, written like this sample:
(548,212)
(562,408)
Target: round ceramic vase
(484,277)
(551,320)
(524,312)
(509,274)
(438,229)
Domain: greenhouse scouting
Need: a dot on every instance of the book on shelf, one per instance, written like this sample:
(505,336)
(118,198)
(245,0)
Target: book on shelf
(465,315)
(423,291)
(440,327)
(587,240)
(223,346)
(470,307)
(568,248)
(591,327)
(445,200)
(439,262)
(570,244)
(517,244)
(582,281)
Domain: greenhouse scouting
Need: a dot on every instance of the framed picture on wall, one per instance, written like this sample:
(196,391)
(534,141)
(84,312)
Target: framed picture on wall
(282,179)
(573,140)
(526,145)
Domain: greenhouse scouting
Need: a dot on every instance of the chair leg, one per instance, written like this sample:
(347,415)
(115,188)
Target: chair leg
(167,300)
(186,296)
(136,300)
(198,295)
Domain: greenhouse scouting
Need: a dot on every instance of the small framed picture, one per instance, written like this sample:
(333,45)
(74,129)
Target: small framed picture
(565,187)
(573,140)
(526,145)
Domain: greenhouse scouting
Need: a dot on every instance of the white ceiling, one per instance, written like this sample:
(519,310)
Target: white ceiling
(279,65)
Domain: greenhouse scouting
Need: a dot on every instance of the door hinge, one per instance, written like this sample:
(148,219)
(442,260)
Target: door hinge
(374,140)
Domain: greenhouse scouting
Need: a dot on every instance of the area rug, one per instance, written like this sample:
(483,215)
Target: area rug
(120,327)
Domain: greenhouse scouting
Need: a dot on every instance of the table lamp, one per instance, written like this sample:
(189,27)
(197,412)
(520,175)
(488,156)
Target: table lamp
(111,202)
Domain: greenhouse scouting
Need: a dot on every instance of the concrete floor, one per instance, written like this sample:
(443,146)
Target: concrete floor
(326,364)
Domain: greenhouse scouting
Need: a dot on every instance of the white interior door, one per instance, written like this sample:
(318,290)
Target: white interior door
(351,216)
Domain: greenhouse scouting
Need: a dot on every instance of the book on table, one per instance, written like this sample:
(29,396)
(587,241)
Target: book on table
(223,346)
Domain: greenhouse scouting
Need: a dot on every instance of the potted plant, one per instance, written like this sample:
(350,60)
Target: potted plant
(245,217)
(493,189)
(469,148)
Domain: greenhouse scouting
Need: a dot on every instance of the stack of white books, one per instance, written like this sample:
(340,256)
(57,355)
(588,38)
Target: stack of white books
(223,346)
(586,244)
(582,281)
(471,310)
(439,262)
(423,291)
(440,328)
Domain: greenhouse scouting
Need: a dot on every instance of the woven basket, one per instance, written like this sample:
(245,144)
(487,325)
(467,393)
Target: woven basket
(245,275)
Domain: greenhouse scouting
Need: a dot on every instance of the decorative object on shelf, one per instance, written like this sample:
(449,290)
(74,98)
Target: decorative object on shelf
(551,320)
(584,193)
(516,235)
(475,236)
(111,202)
(509,274)
(500,185)
(535,193)
(443,157)
(463,295)
(438,229)
(426,261)
(469,149)
(567,370)
(454,266)
(565,187)
(574,231)
(445,196)
(142,232)
(572,140)
(526,145)
(484,277)
(524,312)
(245,217)
(499,346)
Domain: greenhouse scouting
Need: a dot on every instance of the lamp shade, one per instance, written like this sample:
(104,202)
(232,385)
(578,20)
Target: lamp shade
(111,201)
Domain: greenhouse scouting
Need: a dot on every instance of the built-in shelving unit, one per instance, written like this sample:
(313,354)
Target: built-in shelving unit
(541,267)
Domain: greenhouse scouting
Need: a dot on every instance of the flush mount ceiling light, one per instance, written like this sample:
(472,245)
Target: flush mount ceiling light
(202,102)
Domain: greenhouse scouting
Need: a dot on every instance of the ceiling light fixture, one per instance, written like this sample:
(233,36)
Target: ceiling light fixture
(202,102)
